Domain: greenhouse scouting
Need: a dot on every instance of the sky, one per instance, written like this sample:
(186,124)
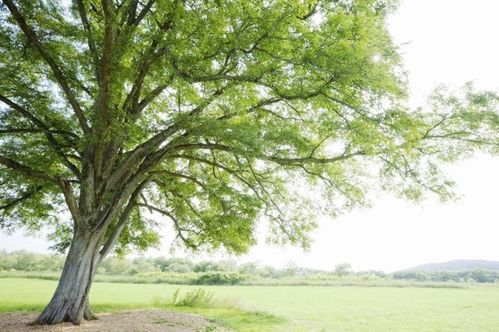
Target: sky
(442,42)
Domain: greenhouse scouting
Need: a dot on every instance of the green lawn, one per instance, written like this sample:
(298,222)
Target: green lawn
(301,308)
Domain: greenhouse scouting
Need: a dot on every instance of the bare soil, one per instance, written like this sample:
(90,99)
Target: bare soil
(129,321)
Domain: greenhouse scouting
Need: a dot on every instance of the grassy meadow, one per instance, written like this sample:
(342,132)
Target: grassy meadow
(292,308)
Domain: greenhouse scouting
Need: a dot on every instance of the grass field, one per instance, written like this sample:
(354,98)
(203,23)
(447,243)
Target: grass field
(295,308)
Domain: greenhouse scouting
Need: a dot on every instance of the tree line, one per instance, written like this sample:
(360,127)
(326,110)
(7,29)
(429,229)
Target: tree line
(229,271)
(32,262)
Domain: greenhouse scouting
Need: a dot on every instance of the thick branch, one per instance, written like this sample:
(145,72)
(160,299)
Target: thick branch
(132,101)
(152,95)
(149,147)
(132,11)
(64,133)
(53,142)
(25,170)
(90,40)
(313,160)
(118,228)
(102,122)
(143,12)
(70,200)
(26,195)
(278,160)
(59,76)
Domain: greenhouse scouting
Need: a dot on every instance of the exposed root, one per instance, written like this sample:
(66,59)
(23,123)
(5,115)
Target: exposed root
(88,314)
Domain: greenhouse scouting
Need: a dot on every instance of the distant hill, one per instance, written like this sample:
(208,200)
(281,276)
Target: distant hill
(458,265)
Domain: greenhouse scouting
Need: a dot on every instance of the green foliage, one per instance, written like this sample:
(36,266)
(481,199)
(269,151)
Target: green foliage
(213,114)
(174,264)
(24,261)
(342,269)
(480,276)
(218,278)
(162,270)
(137,236)
(198,297)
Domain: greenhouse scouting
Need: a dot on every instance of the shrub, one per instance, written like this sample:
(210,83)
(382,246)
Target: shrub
(219,278)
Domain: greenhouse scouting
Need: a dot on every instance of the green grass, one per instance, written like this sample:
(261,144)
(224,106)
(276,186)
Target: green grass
(302,308)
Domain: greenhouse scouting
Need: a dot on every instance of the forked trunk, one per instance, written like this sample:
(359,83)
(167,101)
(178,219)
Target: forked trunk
(70,300)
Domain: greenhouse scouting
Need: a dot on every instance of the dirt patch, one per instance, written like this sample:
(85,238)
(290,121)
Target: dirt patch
(129,321)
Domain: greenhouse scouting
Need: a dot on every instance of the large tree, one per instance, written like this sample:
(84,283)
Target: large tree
(212,113)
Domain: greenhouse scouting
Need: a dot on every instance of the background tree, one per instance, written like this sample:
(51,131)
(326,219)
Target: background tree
(342,269)
(214,114)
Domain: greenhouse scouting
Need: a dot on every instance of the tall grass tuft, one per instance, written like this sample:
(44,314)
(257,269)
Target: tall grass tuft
(195,298)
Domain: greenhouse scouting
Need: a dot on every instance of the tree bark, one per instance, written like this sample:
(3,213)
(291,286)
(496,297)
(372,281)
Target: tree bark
(88,314)
(70,300)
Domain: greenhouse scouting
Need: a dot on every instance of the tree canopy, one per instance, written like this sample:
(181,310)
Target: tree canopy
(214,114)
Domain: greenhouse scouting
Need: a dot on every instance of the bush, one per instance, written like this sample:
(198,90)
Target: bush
(219,278)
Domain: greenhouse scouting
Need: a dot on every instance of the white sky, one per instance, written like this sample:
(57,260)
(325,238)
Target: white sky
(442,41)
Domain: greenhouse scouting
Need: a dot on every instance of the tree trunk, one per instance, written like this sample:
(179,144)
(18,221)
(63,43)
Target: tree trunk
(88,314)
(70,300)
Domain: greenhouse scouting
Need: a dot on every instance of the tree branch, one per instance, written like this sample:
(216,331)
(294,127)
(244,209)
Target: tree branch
(183,176)
(176,224)
(120,225)
(143,12)
(148,148)
(10,130)
(59,76)
(70,200)
(53,142)
(278,160)
(312,11)
(132,11)
(29,172)
(90,40)
(26,195)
